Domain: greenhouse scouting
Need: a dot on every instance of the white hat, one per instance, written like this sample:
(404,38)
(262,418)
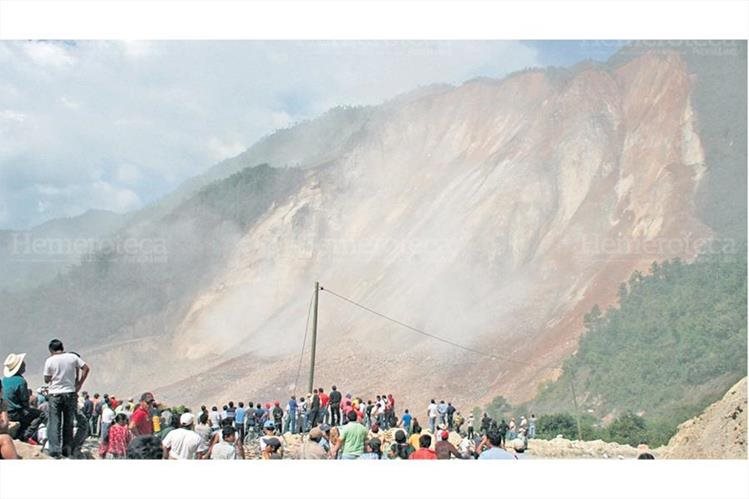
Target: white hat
(186,419)
(13,364)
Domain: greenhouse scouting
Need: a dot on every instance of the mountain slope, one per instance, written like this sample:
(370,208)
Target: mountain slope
(672,344)
(493,214)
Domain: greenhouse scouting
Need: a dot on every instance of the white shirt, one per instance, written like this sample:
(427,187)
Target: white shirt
(63,369)
(433,412)
(107,414)
(224,450)
(182,443)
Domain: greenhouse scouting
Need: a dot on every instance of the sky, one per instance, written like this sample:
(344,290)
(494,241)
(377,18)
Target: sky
(116,125)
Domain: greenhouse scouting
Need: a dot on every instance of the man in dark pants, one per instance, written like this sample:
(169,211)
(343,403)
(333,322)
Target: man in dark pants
(16,395)
(314,410)
(64,374)
(335,406)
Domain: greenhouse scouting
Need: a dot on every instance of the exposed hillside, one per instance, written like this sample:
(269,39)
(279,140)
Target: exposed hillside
(674,343)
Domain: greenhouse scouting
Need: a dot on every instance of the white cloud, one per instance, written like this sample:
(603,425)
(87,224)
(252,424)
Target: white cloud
(48,54)
(222,149)
(109,197)
(9,115)
(128,174)
(70,103)
(138,49)
(151,114)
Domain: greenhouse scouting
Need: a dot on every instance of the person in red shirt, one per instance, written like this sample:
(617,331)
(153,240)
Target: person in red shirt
(324,399)
(141,424)
(119,438)
(424,452)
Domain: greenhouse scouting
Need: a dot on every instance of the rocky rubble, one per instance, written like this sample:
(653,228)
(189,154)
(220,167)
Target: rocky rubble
(561,448)
(718,433)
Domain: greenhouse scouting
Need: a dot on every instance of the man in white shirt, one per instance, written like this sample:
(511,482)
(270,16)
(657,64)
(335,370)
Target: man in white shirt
(64,374)
(432,413)
(182,443)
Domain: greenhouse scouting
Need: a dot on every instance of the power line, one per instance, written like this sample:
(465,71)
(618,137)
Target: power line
(304,343)
(419,331)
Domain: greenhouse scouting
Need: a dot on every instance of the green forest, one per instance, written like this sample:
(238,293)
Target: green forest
(674,343)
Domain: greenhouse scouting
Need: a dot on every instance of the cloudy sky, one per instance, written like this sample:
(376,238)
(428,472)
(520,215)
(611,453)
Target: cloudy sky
(116,125)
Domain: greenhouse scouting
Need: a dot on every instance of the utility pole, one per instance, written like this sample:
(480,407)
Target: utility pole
(577,410)
(314,340)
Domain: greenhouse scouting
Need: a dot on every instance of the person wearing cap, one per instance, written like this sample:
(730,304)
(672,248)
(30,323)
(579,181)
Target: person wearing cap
(141,423)
(65,373)
(273,449)
(312,448)
(182,443)
(16,396)
(444,448)
(269,431)
(277,415)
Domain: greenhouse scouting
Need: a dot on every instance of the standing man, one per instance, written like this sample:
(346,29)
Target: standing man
(96,415)
(432,414)
(88,411)
(291,410)
(450,414)
(141,424)
(335,406)
(314,410)
(16,396)
(324,398)
(352,438)
(239,418)
(182,443)
(64,374)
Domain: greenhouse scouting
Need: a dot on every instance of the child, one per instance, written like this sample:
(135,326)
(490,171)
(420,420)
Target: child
(119,438)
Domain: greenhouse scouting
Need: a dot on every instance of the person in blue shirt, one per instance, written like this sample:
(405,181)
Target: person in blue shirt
(239,416)
(291,410)
(406,422)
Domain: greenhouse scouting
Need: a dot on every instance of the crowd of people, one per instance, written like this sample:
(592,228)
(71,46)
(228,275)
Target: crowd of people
(326,425)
